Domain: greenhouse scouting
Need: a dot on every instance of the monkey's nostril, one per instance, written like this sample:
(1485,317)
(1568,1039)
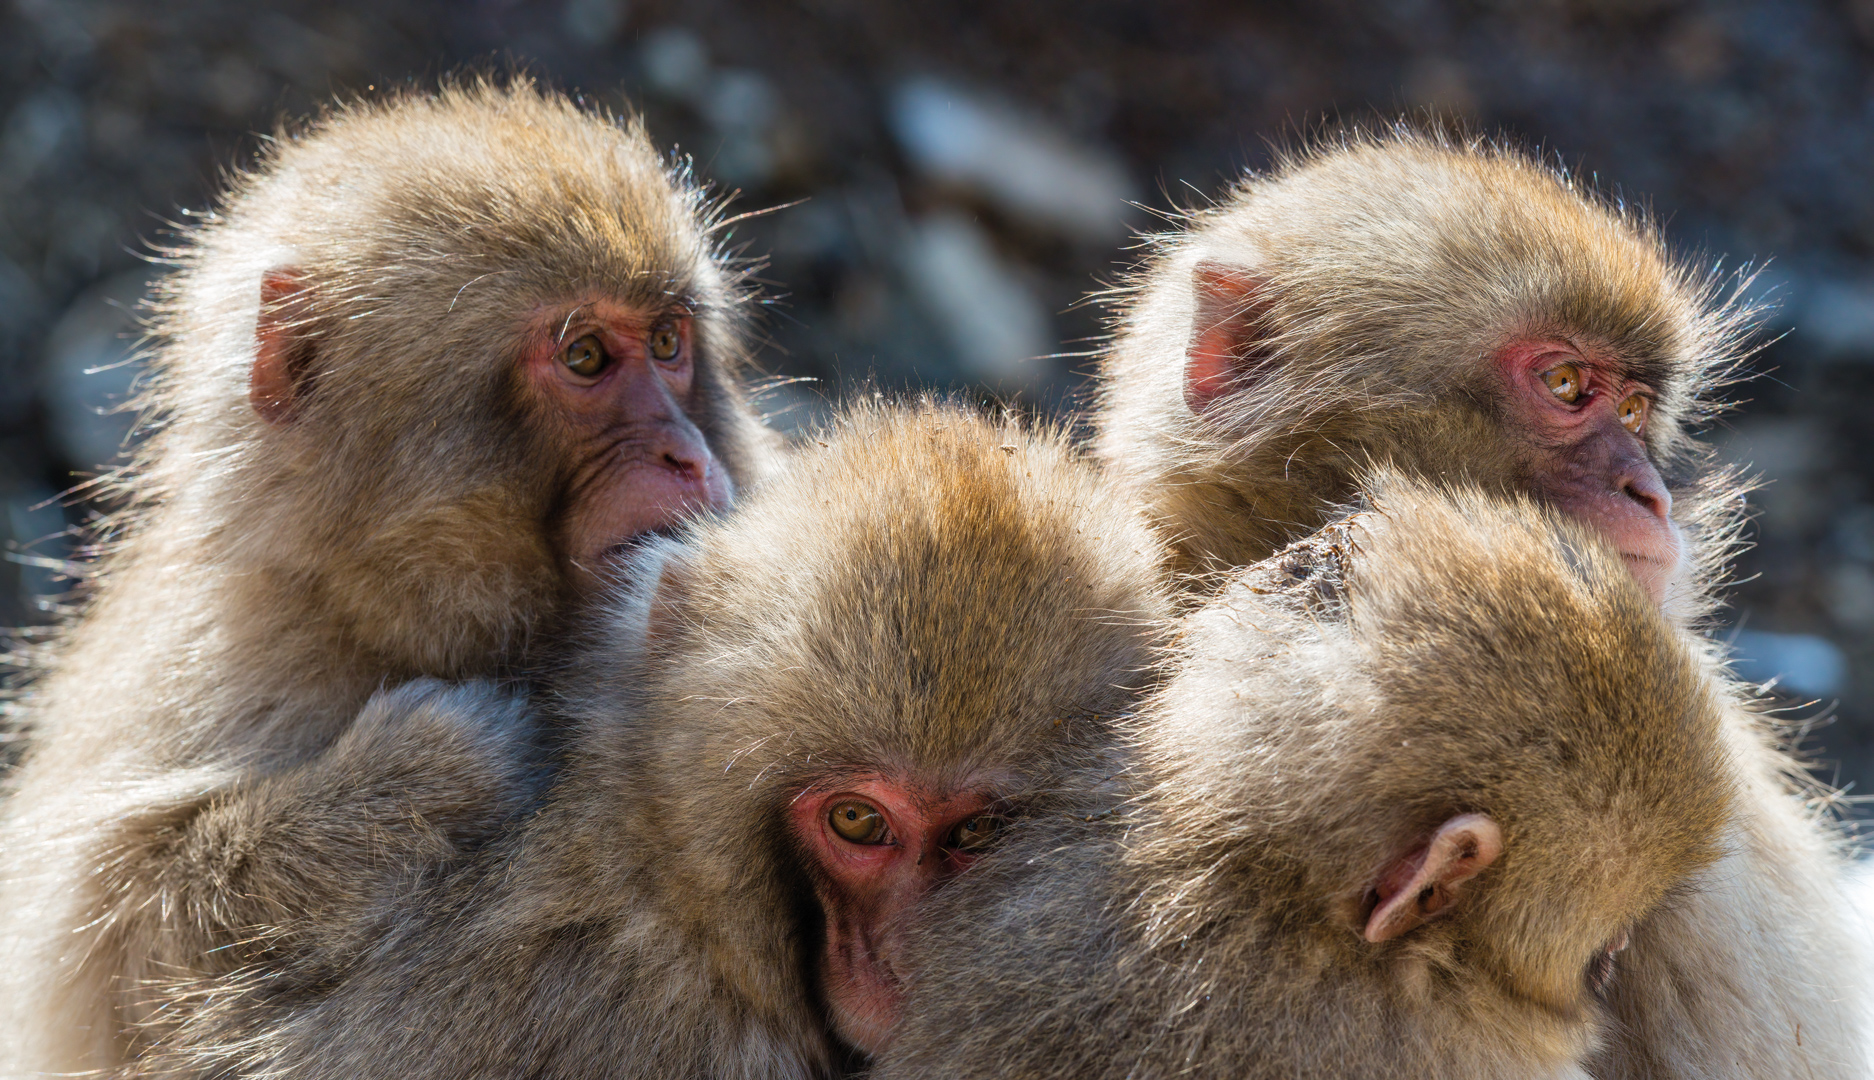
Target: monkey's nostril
(1657,500)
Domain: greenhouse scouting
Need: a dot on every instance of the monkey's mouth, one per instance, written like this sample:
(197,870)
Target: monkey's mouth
(617,555)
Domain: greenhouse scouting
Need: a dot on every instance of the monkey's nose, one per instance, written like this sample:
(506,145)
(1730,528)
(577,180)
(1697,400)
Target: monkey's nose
(1647,489)
(695,471)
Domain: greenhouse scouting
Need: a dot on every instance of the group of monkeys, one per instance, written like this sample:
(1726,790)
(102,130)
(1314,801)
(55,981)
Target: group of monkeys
(470,685)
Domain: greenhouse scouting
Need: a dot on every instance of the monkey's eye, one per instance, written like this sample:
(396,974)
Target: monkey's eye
(1632,412)
(1564,381)
(858,822)
(665,341)
(977,833)
(586,357)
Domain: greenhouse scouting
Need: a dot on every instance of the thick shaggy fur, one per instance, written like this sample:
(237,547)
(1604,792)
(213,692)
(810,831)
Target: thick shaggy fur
(926,591)
(1393,267)
(1439,655)
(269,578)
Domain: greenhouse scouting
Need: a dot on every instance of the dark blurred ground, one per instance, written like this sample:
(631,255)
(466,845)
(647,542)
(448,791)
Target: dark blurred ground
(968,168)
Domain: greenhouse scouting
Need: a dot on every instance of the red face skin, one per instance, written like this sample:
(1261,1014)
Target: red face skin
(868,890)
(1585,461)
(637,462)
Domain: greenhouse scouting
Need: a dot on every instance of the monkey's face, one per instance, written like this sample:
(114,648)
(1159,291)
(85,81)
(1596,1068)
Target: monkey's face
(1583,424)
(616,386)
(874,848)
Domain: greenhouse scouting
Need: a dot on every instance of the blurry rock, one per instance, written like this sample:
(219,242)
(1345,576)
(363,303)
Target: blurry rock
(811,229)
(1850,596)
(296,51)
(675,61)
(235,86)
(1697,49)
(1440,85)
(594,23)
(985,308)
(1791,454)
(741,105)
(90,369)
(1799,663)
(60,27)
(22,311)
(1854,533)
(1781,447)
(1836,319)
(1025,166)
(38,132)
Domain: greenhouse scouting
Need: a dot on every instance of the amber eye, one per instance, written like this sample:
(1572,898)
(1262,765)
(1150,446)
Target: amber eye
(858,822)
(1564,382)
(976,833)
(665,341)
(586,357)
(1632,413)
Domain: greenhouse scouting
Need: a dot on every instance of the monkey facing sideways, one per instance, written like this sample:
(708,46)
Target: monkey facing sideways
(796,721)
(429,361)
(1462,313)
(1409,786)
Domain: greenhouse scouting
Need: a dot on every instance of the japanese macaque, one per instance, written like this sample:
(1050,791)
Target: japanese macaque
(794,723)
(427,364)
(1461,312)
(1412,785)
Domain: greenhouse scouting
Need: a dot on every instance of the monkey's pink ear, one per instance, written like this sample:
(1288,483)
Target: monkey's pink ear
(1425,882)
(283,350)
(1222,331)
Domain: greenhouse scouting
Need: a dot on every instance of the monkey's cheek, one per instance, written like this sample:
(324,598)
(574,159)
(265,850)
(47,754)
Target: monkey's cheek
(862,992)
(1654,576)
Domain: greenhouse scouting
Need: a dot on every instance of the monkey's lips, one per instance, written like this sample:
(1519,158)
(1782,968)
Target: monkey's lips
(621,552)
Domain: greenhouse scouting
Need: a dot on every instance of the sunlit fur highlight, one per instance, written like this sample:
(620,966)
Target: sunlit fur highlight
(1394,265)
(928,592)
(265,579)
(1438,654)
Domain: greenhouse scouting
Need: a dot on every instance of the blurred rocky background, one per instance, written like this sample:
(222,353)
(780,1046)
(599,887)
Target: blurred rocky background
(956,176)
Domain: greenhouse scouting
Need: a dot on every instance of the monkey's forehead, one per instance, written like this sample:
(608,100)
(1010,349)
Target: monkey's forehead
(478,178)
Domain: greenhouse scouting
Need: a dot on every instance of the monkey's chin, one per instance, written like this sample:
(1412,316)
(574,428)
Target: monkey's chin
(1654,574)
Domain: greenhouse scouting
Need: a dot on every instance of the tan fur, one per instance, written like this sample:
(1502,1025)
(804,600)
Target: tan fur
(927,590)
(1436,656)
(1395,265)
(270,577)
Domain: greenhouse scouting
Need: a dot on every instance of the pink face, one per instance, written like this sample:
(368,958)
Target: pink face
(878,845)
(617,384)
(1586,426)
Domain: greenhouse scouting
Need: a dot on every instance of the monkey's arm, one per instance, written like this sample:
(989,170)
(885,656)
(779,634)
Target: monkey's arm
(1758,971)
(425,772)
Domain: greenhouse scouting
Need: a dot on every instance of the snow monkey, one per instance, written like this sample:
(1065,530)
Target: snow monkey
(1411,786)
(1462,312)
(796,721)
(426,364)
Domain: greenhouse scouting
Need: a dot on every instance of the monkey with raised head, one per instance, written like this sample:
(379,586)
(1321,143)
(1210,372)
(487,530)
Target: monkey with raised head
(1411,784)
(795,722)
(1462,312)
(429,361)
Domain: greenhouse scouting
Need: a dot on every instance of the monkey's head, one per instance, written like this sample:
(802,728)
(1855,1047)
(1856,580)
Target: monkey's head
(1463,737)
(450,349)
(857,679)
(1459,312)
